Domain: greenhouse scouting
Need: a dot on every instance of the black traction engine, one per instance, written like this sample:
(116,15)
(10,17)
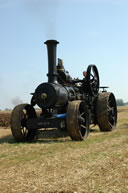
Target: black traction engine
(65,103)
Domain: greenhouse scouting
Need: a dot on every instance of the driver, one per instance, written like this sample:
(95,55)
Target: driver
(85,74)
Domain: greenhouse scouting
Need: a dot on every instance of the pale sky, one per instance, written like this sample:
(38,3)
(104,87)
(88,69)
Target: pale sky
(89,32)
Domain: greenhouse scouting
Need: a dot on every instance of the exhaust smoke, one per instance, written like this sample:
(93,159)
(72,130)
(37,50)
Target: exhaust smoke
(16,101)
(44,12)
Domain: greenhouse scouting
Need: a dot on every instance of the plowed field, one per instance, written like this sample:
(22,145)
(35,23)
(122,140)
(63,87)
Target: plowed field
(5,118)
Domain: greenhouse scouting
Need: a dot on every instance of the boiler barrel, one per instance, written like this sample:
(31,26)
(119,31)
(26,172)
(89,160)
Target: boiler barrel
(49,95)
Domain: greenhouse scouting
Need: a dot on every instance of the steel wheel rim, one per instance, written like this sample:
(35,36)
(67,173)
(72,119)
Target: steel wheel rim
(77,120)
(93,80)
(112,111)
(82,116)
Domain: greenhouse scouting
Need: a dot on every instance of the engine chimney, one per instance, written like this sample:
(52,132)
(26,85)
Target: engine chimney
(52,72)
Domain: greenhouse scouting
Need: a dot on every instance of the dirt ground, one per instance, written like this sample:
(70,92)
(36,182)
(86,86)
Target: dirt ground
(55,164)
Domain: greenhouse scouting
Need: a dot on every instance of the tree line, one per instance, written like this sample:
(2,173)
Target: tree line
(120,102)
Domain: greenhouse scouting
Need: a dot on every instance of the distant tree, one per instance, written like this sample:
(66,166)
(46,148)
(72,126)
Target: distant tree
(6,109)
(126,103)
(120,102)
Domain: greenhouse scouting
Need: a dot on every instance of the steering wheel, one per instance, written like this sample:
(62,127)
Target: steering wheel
(92,80)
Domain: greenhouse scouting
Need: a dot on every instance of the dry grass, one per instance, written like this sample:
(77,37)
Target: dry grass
(55,164)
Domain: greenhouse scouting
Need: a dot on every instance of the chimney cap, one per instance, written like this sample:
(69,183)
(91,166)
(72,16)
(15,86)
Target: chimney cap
(51,42)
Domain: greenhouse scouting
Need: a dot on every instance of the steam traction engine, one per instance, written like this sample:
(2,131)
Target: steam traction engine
(66,103)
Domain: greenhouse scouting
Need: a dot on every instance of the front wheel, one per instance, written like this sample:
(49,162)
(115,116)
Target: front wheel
(20,114)
(77,120)
(106,111)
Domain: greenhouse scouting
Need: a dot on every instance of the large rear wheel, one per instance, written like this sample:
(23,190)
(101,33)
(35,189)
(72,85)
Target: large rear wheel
(106,111)
(20,114)
(77,120)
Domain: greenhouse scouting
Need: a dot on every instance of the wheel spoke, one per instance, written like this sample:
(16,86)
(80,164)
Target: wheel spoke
(22,130)
(82,114)
(91,75)
(110,125)
(83,126)
(112,118)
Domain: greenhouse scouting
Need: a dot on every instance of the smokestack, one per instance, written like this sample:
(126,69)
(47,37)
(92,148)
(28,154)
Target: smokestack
(52,72)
